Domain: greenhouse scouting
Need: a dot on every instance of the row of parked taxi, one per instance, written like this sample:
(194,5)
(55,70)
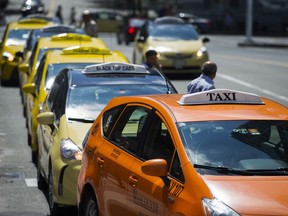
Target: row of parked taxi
(114,138)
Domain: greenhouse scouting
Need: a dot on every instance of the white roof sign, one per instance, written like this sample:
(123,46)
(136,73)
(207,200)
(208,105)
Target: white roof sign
(220,96)
(113,67)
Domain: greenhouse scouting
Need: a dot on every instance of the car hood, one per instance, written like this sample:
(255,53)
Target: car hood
(77,131)
(175,46)
(251,195)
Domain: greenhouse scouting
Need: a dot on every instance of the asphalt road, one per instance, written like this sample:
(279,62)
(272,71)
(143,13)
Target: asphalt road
(258,70)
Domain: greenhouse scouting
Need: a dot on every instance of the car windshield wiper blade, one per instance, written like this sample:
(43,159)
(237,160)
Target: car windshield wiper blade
(224,170)
(82,120)
(262,172)
(276,171)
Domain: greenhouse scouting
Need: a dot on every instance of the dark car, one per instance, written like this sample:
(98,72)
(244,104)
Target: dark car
(127,31)
(203,25)
(32,7)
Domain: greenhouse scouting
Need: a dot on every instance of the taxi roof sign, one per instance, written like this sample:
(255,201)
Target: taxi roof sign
(70,36)
(32,20)
(220,96)
(86,50)
(113,67)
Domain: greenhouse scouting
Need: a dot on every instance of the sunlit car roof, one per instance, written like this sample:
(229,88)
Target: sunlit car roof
(266,109)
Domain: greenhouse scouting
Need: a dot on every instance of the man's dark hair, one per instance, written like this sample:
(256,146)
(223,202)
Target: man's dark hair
(150,53)
(209,68)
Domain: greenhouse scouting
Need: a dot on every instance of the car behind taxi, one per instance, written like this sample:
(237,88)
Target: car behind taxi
(75,99)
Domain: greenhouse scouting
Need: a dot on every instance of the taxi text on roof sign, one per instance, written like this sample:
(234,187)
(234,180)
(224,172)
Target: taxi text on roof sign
(116,68)
(71,36)
(86,50)
(220,96)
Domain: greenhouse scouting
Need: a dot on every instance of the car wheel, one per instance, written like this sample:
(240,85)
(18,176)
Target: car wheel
(53,206)
(90,207)
(40,179)
(34,156)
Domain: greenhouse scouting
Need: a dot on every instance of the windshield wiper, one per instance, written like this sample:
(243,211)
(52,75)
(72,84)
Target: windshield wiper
(82,120)
(225,170)
(258,172)
(270,172)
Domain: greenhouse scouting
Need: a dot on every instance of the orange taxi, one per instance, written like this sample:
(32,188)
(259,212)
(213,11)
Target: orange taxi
(219,152)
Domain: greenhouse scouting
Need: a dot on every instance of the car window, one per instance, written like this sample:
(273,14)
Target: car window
(109,119)
(57,97)
(173,32)
(129,129)
(176,169)
(254,144)
(38,75)
(159,143)
(54,69)
(17,37)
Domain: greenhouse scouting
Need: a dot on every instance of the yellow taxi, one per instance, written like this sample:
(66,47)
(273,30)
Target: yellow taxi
(75,99)
(180,48)
(13,41)
(50,65)
(55,42)
(219,152)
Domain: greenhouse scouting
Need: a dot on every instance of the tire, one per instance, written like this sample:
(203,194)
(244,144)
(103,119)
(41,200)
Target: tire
(90,207)
(41,182)
(53,206)
(34,156)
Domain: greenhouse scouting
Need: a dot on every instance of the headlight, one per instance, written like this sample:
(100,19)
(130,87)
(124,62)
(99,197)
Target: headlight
(70,150)
(201,51)
(214,207)
(7,56)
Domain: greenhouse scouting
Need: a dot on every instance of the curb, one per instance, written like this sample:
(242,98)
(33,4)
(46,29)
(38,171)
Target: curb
(262,44)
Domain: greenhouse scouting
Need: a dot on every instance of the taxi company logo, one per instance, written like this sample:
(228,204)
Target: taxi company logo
(222,96)
(115,68)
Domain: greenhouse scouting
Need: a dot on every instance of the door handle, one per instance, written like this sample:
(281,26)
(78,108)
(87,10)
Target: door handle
(133,180)
(100,161)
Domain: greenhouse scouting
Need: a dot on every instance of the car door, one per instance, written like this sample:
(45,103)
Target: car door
(148,195)
(115,157)
(55,103)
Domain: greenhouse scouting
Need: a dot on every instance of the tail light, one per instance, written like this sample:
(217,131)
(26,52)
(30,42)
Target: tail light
(131,30)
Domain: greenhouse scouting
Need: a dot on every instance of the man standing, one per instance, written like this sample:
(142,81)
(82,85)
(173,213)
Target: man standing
(205,81)
(152,60)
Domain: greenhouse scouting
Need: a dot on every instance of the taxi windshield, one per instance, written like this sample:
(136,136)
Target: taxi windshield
(86,102)
(250,145)
(17,37)
(173,32)
(54,69)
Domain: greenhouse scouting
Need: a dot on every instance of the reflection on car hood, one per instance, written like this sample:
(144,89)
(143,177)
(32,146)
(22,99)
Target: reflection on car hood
(253,195)
(77,131)
(176,46)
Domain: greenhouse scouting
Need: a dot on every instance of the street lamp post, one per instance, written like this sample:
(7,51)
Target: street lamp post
(249,21)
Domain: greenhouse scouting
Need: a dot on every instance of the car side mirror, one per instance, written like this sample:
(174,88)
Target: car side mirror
(205,39)
(29,88)
(24,68)
(155,167)
(46,118)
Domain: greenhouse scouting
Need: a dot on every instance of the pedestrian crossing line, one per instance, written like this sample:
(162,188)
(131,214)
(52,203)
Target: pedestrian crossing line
(31,182)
